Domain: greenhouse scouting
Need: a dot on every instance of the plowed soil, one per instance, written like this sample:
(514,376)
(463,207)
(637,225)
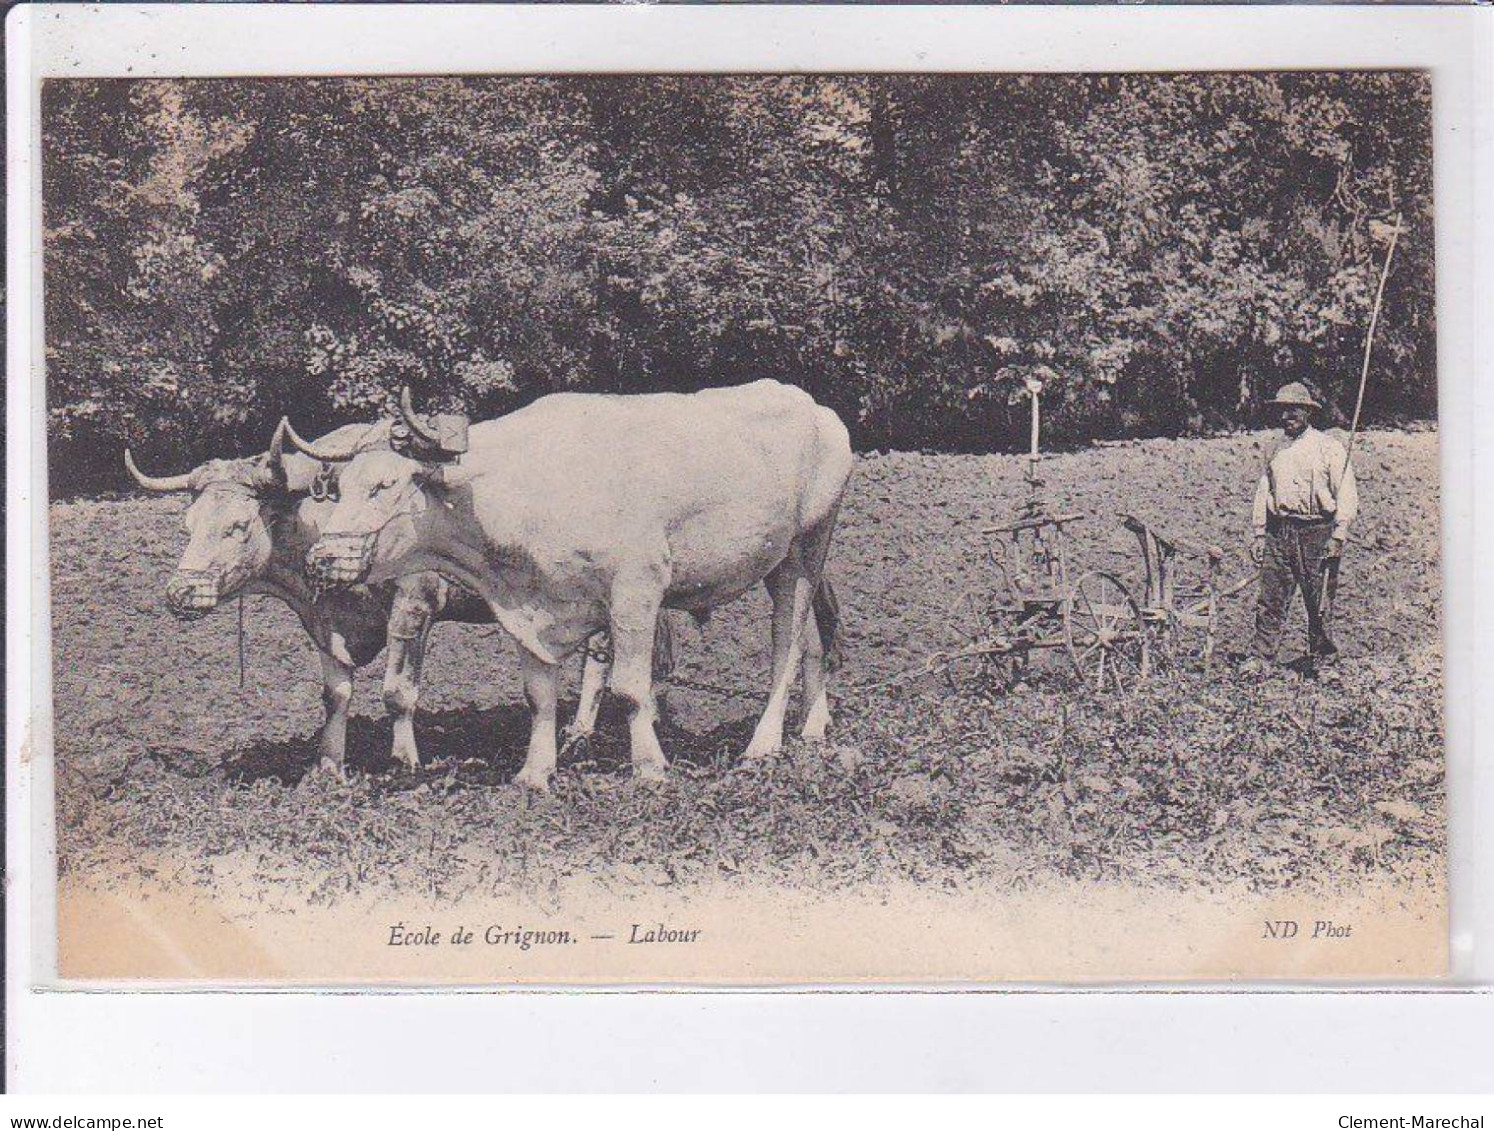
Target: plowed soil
(1196,779)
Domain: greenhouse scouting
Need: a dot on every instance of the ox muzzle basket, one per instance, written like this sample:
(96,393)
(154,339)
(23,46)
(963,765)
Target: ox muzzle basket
(341,559)
(193,593)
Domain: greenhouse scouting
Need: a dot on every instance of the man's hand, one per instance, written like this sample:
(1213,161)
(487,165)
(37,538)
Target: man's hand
(1258,549)
(1335,547)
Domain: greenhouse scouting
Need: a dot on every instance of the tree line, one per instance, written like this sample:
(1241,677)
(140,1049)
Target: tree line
(1161,251)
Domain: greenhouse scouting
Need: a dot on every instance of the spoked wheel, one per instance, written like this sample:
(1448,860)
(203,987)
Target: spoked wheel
(1107,637)
(976,619)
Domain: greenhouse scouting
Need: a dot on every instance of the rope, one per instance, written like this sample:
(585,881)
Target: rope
(237,752)
(935,664)
(939,661)
(928,668)
(241,643)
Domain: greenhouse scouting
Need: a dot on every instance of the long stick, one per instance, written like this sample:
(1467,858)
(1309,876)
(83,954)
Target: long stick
(1369,340)
(1329,594)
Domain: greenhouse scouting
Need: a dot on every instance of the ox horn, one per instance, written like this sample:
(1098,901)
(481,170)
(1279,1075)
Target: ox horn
(181,482)
(325,454)
(277,443)
(274,463)
(422,431)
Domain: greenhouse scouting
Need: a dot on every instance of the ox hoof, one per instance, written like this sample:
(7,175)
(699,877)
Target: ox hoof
(652,773)
(410,765)
(533,780)
(760,751)
(332,769)
(816,723)
(576,744)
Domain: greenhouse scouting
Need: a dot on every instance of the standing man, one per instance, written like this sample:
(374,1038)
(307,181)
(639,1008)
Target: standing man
(1304,504)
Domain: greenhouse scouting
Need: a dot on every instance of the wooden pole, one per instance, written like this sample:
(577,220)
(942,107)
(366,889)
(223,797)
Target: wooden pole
(1330,571)
(1369,340)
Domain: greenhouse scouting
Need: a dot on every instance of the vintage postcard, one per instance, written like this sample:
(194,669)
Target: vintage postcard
(745,529)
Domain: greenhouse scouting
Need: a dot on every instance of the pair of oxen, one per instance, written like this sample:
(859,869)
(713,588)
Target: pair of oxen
(578,515)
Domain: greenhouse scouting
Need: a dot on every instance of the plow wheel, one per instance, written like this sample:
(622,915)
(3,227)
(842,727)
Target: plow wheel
(975,621)
(1106,635)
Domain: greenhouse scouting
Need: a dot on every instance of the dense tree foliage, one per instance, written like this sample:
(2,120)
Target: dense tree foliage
(1162,251)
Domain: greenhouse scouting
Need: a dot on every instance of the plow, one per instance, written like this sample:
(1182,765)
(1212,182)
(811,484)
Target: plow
(1110,637)
(1033,601)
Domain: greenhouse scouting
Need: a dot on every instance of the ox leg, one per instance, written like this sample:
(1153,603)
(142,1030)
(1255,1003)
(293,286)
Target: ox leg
(790,590)
(542,690)
(402,692)
(337,693)
(815,701)
(593,682)
(634,621)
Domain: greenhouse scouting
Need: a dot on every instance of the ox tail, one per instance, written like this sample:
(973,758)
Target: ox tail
(827,619)
(663,648)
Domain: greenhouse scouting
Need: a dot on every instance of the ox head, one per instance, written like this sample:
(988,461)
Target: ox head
(380,495)
(230,525)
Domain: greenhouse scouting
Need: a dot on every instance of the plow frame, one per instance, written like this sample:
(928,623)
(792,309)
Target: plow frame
(1113,639)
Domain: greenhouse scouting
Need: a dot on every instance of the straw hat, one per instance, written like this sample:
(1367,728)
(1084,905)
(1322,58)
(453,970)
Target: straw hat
(1295,395)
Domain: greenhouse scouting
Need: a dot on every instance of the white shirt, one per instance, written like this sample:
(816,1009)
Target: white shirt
(1308,478)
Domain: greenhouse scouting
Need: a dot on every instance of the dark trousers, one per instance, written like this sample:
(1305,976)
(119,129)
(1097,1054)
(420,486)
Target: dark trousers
(1296,557)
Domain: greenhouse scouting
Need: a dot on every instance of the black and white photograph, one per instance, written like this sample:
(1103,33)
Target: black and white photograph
(745,528)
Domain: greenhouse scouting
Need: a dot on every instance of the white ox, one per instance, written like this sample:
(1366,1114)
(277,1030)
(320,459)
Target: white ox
(584,512)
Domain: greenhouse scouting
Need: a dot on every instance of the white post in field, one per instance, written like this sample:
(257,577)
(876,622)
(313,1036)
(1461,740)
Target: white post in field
(1034,387)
